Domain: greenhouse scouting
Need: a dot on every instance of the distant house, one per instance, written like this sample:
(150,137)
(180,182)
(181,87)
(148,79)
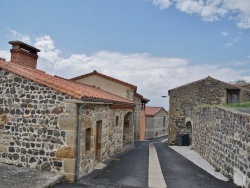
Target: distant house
(156,121)
(205,91)
(125,90)
(54,124)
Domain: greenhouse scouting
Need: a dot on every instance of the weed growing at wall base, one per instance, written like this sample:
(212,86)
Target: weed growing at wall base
(238,105)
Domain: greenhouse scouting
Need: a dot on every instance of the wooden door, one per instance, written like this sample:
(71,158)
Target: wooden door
(233,96)
(98,141)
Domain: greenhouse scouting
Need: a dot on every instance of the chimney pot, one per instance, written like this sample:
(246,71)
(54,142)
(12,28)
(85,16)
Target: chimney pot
(24,54)
(2,59)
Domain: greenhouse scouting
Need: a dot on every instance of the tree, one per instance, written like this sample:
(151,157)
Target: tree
(240,81)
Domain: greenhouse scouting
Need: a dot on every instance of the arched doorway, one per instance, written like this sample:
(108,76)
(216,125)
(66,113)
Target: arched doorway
(189,131)
(127,129)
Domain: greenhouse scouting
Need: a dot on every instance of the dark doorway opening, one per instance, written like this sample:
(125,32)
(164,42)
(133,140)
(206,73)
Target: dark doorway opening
(189,131)
(98,142)
(233,96)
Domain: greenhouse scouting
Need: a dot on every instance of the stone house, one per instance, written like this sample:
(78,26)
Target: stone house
(207,91)
(156,121)
(54,124)
(125,90)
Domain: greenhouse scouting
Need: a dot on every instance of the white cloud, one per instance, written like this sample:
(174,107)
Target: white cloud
(154,76)
(224,33)
(242,10)
(239,63)
(247,78)
(208,10)
(45,42)
(5,55)
(228,44)
(18,36)
(162,4)
(212,10)
(49,54)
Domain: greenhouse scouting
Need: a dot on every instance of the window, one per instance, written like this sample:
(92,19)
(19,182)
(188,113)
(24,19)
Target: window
(88,139)
(233,96)
(116,120)
(189,125)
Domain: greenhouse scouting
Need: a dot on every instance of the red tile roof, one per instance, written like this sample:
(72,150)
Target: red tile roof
(240,85)
(152,111)
(73,89)
(106,77)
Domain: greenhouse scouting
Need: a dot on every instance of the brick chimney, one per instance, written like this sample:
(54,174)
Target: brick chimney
(24,54)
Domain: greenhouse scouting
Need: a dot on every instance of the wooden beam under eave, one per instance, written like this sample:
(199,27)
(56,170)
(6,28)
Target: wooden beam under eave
(121,106)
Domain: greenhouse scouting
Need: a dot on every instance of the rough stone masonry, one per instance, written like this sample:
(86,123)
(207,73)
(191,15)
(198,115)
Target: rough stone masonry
(38,128)
(29,123)
(222,136)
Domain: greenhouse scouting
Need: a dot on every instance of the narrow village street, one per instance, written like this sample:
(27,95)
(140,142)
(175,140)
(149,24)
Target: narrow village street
(130,169)
(125,94)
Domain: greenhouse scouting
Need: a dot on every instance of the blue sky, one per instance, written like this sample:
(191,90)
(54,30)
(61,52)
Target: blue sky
(154,44)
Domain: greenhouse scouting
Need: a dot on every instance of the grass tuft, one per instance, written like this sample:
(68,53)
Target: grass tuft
(238,105)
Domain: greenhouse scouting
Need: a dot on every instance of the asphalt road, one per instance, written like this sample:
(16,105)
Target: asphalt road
(179,172)
(131,170)
(127,170)
(245,110)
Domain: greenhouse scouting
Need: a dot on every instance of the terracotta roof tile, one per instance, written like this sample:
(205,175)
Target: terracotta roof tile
(152,111)
(240,85)
(71,88)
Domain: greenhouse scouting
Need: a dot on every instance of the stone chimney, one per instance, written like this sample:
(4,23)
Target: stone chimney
(24,54)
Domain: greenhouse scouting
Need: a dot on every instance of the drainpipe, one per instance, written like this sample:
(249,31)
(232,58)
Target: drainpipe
(78,152)
(133,129)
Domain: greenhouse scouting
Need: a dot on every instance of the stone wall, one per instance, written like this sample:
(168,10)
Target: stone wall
(110,134)
(154,124)
(183,99)
(137,118)
(150,133)
(158,123)
(142,124)
(245,94)
(222,137)
(37,128)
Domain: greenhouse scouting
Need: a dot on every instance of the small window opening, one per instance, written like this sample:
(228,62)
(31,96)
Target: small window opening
(88,139)
(116,120)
